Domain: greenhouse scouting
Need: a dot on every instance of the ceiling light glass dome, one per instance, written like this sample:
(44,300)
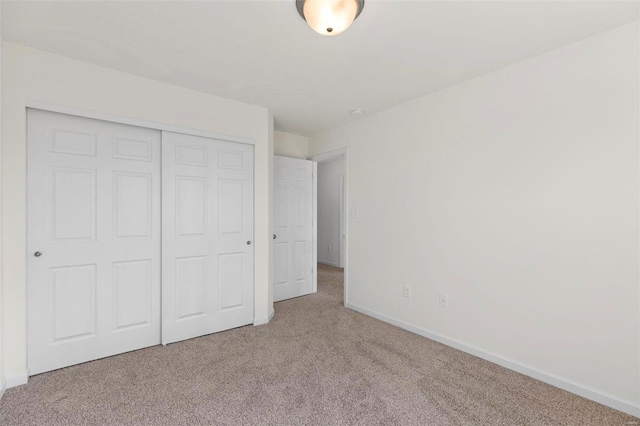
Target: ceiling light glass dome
(329,17)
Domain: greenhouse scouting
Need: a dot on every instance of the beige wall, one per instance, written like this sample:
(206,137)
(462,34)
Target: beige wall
(290,145)
(516,195)
(34,75)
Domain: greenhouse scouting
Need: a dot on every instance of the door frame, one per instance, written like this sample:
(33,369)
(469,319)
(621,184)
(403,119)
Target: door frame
(322,158)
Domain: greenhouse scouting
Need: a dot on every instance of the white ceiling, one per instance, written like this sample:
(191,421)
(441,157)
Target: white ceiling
(263,53)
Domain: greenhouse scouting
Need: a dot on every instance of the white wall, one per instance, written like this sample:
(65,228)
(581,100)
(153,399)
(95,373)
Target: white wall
(290,145)
(329,174)
(2,379)
(515,194)
(30,74)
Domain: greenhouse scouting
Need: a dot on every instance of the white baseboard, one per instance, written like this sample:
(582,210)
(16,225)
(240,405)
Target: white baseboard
(3,387)
(12,382)
(326,262)
(594,395)
(265,320)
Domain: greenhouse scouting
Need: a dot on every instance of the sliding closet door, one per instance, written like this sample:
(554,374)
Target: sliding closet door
(207,236)
(93,239)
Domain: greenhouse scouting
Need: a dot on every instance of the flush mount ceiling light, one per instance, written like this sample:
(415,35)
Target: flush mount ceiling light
(329,17)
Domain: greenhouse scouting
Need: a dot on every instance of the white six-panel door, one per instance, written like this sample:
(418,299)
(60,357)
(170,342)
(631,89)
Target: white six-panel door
(293,182)
(93,239)
(207,236)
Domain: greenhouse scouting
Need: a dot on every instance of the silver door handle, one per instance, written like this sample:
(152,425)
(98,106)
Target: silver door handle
(37,254)
(274,236)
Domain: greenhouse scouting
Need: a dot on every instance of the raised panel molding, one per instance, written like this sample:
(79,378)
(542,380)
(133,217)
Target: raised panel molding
(72,204)
(132,293)
(282,195)
(72,302)
(191,287)
(230,206)
(73,142)
(282,266)
(301,173)
(282,172)
(230,266)
(230,159)
(132,204)
(191,206)
(191,155)
(301,207)
(300,252)
(131,149)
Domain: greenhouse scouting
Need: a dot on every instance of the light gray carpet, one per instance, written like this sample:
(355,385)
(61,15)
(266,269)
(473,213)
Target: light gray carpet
(315,363)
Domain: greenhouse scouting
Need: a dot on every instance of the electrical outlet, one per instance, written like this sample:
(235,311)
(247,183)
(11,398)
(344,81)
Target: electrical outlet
(443,301)
(406,291)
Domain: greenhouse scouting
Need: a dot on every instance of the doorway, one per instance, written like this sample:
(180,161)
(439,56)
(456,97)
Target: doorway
(332,238)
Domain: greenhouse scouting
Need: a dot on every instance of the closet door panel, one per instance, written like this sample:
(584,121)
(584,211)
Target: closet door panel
(207,236)
(93,239)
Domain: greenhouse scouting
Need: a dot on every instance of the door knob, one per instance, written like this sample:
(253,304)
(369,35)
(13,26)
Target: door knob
(37,254)
(274,236)
(248,243)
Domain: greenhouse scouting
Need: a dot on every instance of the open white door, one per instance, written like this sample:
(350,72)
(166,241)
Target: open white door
(93,239)
(294,204)
(207,236)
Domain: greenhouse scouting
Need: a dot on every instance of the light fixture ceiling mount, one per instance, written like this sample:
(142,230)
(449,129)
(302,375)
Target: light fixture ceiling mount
(329,17)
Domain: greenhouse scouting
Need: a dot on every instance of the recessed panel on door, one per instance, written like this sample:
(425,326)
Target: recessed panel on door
(73,204)
(282,263)
(302,206)
(73,142)
(230,279)
(300,257)
(190,155)
(191,206)
(282,210)
(191,285)
(132,149)
(132,204)
(132,285)
(230,159)
(230,199)
(73,302)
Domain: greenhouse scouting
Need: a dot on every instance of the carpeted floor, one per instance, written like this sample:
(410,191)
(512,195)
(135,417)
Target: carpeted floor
(316,363)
